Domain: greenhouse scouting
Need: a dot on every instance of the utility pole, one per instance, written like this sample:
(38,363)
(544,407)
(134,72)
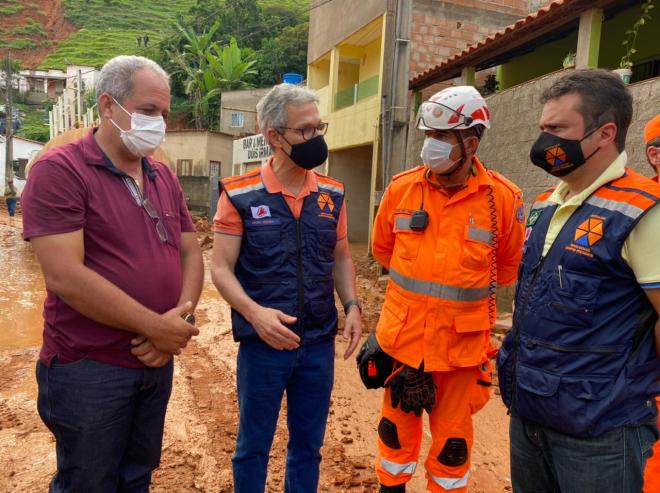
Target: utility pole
(80,115)
(9,152)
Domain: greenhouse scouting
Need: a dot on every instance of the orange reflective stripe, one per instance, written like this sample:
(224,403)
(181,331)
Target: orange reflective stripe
(624,208)
(451,483)
(248,184)
(328,183)
(396,469)
(437,290)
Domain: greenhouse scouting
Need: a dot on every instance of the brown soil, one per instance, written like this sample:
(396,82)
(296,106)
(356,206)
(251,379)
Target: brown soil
(50,15)
(202,415)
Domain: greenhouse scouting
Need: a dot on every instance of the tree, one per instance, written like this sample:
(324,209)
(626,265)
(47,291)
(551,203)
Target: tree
(284,53)
(244,20)
(208,70)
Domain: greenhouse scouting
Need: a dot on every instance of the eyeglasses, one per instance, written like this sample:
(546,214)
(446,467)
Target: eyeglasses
(310,131)
(160,228)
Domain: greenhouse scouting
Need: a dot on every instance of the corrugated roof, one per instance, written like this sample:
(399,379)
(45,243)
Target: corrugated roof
(532,22)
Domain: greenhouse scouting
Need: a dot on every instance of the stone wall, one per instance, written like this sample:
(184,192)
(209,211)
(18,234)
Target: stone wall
(196,191)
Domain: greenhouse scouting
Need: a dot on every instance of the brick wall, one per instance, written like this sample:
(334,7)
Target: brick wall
(442,28)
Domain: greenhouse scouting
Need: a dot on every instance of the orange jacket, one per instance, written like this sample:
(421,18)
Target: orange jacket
(652,471)
(437,300)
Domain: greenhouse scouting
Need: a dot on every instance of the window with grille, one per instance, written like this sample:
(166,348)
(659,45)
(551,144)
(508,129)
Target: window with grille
(237,120)
(184,167)
(214,168)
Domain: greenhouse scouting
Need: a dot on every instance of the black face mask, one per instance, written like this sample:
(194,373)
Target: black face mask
(558,156)
(309,154)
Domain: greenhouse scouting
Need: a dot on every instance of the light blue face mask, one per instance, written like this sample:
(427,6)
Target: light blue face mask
(435,155)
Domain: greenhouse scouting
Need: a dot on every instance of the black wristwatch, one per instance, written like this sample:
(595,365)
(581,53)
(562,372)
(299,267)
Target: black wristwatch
(351,303)
(189,317)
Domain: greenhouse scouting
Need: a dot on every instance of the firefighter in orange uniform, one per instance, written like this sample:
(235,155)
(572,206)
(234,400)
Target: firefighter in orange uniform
(652,141)
(449,232)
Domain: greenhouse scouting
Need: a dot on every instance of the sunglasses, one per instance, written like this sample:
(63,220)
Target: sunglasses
(160,228)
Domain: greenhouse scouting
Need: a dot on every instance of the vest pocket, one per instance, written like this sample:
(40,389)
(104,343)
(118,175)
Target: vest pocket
(570,299)
(264,247)
(326,241)
(536,394)
(580,402)
(469,339)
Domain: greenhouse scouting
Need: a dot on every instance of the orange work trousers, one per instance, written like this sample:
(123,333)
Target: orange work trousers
(459,394)
(652,471)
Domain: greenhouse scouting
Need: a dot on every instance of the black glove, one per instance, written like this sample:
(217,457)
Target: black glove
(413,389)
(374,364)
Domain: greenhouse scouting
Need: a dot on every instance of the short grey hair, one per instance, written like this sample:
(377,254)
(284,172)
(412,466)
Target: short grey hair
(116,76)
(271,109)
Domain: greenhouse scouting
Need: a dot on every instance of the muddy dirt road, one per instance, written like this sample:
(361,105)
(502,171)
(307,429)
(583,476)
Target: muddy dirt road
(202,416)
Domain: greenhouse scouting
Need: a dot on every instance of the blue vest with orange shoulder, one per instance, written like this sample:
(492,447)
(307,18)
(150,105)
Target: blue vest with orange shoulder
(286,263)
(580,357)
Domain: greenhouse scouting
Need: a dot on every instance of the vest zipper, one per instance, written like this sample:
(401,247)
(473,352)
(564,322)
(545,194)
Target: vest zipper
(574,349)
(516,337)
(301,284)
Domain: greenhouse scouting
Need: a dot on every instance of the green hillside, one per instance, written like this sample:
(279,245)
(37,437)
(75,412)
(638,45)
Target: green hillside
(109,28)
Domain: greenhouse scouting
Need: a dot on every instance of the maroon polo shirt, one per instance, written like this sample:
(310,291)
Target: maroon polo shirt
(77,187)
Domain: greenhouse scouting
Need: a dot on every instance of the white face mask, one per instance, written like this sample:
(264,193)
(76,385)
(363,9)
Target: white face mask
(435,155)
(145,135)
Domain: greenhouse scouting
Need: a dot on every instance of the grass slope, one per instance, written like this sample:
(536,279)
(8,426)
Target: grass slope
(109,28)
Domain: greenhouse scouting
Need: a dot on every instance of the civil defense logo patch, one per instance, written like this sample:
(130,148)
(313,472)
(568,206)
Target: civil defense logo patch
(260,211)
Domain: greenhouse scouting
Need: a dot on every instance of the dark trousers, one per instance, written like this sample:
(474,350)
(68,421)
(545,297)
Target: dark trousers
(547,461)
(11,206)
(108,424)
(263,375)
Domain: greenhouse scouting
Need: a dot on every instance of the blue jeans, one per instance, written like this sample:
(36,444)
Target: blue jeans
(108,424)
(263,374)
(11,206)
(546,461)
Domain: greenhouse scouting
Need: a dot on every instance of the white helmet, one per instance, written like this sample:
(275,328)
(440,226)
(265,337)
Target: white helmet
(453,108)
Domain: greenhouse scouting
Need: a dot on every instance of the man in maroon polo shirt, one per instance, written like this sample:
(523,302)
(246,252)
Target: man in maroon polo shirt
(122,266)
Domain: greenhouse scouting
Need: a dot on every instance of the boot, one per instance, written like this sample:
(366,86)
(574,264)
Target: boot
(399,488)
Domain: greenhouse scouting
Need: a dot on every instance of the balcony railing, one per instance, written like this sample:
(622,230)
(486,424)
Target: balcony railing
(356,93)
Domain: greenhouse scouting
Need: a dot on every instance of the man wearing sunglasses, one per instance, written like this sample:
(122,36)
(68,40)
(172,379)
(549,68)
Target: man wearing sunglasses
(449,232)
(280,251)
(118,250)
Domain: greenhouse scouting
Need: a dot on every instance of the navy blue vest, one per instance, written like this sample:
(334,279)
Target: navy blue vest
(580,357)
(284,262)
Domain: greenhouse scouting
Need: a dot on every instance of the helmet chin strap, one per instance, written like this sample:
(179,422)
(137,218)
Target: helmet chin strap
(461,162)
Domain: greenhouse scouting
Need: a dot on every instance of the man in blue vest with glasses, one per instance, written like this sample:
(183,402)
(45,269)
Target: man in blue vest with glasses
(280,251)
(579,369)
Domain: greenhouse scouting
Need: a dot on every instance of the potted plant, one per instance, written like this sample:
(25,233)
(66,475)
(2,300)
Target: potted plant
(629,42)
(569,60)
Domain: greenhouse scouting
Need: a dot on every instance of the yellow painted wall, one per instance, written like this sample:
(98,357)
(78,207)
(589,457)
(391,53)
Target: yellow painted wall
(354,125)
(318,73)
(370,64)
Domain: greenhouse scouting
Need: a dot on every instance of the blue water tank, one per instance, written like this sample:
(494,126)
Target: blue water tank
(292,78)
